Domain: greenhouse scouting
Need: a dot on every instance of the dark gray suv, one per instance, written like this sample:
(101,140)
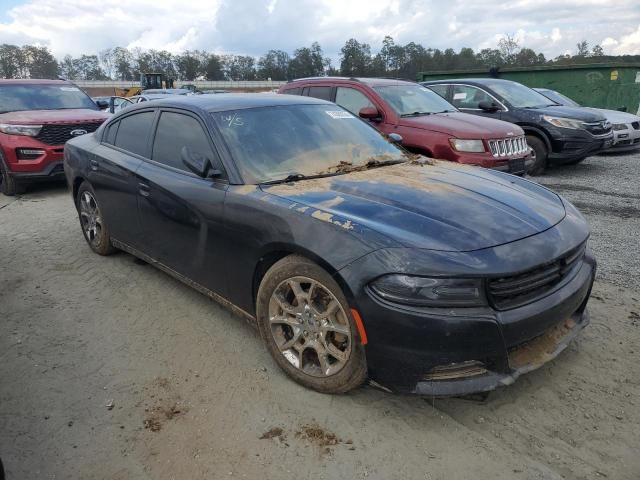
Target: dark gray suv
(556,133)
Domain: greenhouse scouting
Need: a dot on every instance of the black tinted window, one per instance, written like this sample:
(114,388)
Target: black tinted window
(174,132)
(133,132)
(293,91)
(110,134)
(323,93)
(439,89)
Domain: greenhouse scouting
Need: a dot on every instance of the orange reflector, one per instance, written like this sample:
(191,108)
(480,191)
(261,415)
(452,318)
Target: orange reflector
(360,325)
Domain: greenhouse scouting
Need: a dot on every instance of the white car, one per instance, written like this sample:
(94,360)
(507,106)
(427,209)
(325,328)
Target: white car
(626,126)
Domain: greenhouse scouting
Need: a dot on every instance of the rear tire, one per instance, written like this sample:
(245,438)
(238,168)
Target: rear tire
(540,154)
(307,327)
(95,230)
(8,184)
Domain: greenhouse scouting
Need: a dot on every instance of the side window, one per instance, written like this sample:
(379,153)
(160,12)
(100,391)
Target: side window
(293,91)
(352,99)
(439,89)
(465,96)
(174,132)
(110,134)
(133,132)
(323,93)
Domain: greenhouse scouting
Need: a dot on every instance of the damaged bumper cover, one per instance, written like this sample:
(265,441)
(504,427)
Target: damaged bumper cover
(458,351)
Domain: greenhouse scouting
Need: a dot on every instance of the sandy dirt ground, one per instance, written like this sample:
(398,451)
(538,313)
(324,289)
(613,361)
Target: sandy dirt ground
(110,369)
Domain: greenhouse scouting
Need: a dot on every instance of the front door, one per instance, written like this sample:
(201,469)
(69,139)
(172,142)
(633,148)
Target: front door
(181,213)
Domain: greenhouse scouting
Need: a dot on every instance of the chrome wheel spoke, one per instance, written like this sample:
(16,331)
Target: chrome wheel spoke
(337,328)
(309,326)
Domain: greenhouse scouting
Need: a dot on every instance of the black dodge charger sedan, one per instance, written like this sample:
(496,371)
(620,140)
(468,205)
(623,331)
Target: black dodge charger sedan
(354,258)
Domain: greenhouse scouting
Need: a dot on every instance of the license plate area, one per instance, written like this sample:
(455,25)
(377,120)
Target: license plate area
(517,166)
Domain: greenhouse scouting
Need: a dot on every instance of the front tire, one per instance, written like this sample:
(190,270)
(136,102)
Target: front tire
(540,154)
(8,184)
(307,327)
(95,230)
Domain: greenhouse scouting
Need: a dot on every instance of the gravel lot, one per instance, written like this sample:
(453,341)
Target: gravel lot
(111,369)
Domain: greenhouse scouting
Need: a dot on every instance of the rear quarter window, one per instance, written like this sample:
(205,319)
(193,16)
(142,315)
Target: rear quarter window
(133,132)
(110,132)
(323,93)
(293,91)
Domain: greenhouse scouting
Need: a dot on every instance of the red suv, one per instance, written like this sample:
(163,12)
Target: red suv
(37,117)
(427,123)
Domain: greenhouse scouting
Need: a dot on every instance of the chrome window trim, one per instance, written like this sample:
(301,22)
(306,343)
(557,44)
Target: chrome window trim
(504,107)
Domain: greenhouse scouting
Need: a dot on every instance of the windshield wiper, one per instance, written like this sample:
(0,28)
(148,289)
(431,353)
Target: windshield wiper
(415,114)
(446,111)
(295,177)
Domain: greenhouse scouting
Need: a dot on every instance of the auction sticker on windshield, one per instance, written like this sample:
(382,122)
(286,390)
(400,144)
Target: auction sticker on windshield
(339,114)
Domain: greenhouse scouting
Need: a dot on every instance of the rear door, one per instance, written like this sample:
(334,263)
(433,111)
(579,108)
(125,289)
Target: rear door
(112,172)
(181,213)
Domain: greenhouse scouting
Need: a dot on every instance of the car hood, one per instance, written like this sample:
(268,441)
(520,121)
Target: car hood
(463,125)
(38,117)
(579,113)
(439,206)
(615,116)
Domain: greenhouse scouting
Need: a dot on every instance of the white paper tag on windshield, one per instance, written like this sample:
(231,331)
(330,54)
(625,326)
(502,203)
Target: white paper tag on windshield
(70,89)
(459,96)
(339,114)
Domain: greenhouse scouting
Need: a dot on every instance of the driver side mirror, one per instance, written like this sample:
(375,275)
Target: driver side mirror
(198,164)
(488,106)
(370,113)
(102,104)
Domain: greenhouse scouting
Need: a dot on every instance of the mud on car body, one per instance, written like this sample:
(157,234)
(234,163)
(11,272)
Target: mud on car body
(356,259)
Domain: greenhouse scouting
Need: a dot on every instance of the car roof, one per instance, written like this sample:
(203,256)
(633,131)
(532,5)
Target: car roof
(373,81)
(231,101)
(167,91)
(470,81)
(32,81)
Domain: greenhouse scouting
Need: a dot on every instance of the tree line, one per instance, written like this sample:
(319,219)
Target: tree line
(356,59)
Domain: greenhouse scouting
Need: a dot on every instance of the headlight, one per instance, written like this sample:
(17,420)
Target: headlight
(467,145)
(619,126)
(564,122)
(434,292)
(28,130)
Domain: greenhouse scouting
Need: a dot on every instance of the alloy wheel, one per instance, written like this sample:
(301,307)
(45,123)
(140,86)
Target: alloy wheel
(90,218)
(310,326)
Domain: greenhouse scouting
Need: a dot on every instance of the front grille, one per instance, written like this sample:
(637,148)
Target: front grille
(598,128)
(54,134)
(636,125)
(517,290)
(509,147)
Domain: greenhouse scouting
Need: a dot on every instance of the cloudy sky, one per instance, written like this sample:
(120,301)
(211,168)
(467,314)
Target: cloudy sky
(253,26)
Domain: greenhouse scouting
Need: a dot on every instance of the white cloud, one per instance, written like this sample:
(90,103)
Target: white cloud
(255,26)
(628,44)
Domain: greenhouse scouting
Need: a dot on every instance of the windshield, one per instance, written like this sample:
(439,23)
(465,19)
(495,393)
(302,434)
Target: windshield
(559,98)
(272,143)
(518,95)
(18,98)
(407,100)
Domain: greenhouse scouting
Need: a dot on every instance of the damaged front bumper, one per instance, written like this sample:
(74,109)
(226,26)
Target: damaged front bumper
(452,352)
(522,359)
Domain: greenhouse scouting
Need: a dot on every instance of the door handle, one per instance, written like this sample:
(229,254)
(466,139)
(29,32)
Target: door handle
(94,164)
(143,189)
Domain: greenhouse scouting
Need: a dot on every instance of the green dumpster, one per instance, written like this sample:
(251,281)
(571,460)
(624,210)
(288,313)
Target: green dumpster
(612,86)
